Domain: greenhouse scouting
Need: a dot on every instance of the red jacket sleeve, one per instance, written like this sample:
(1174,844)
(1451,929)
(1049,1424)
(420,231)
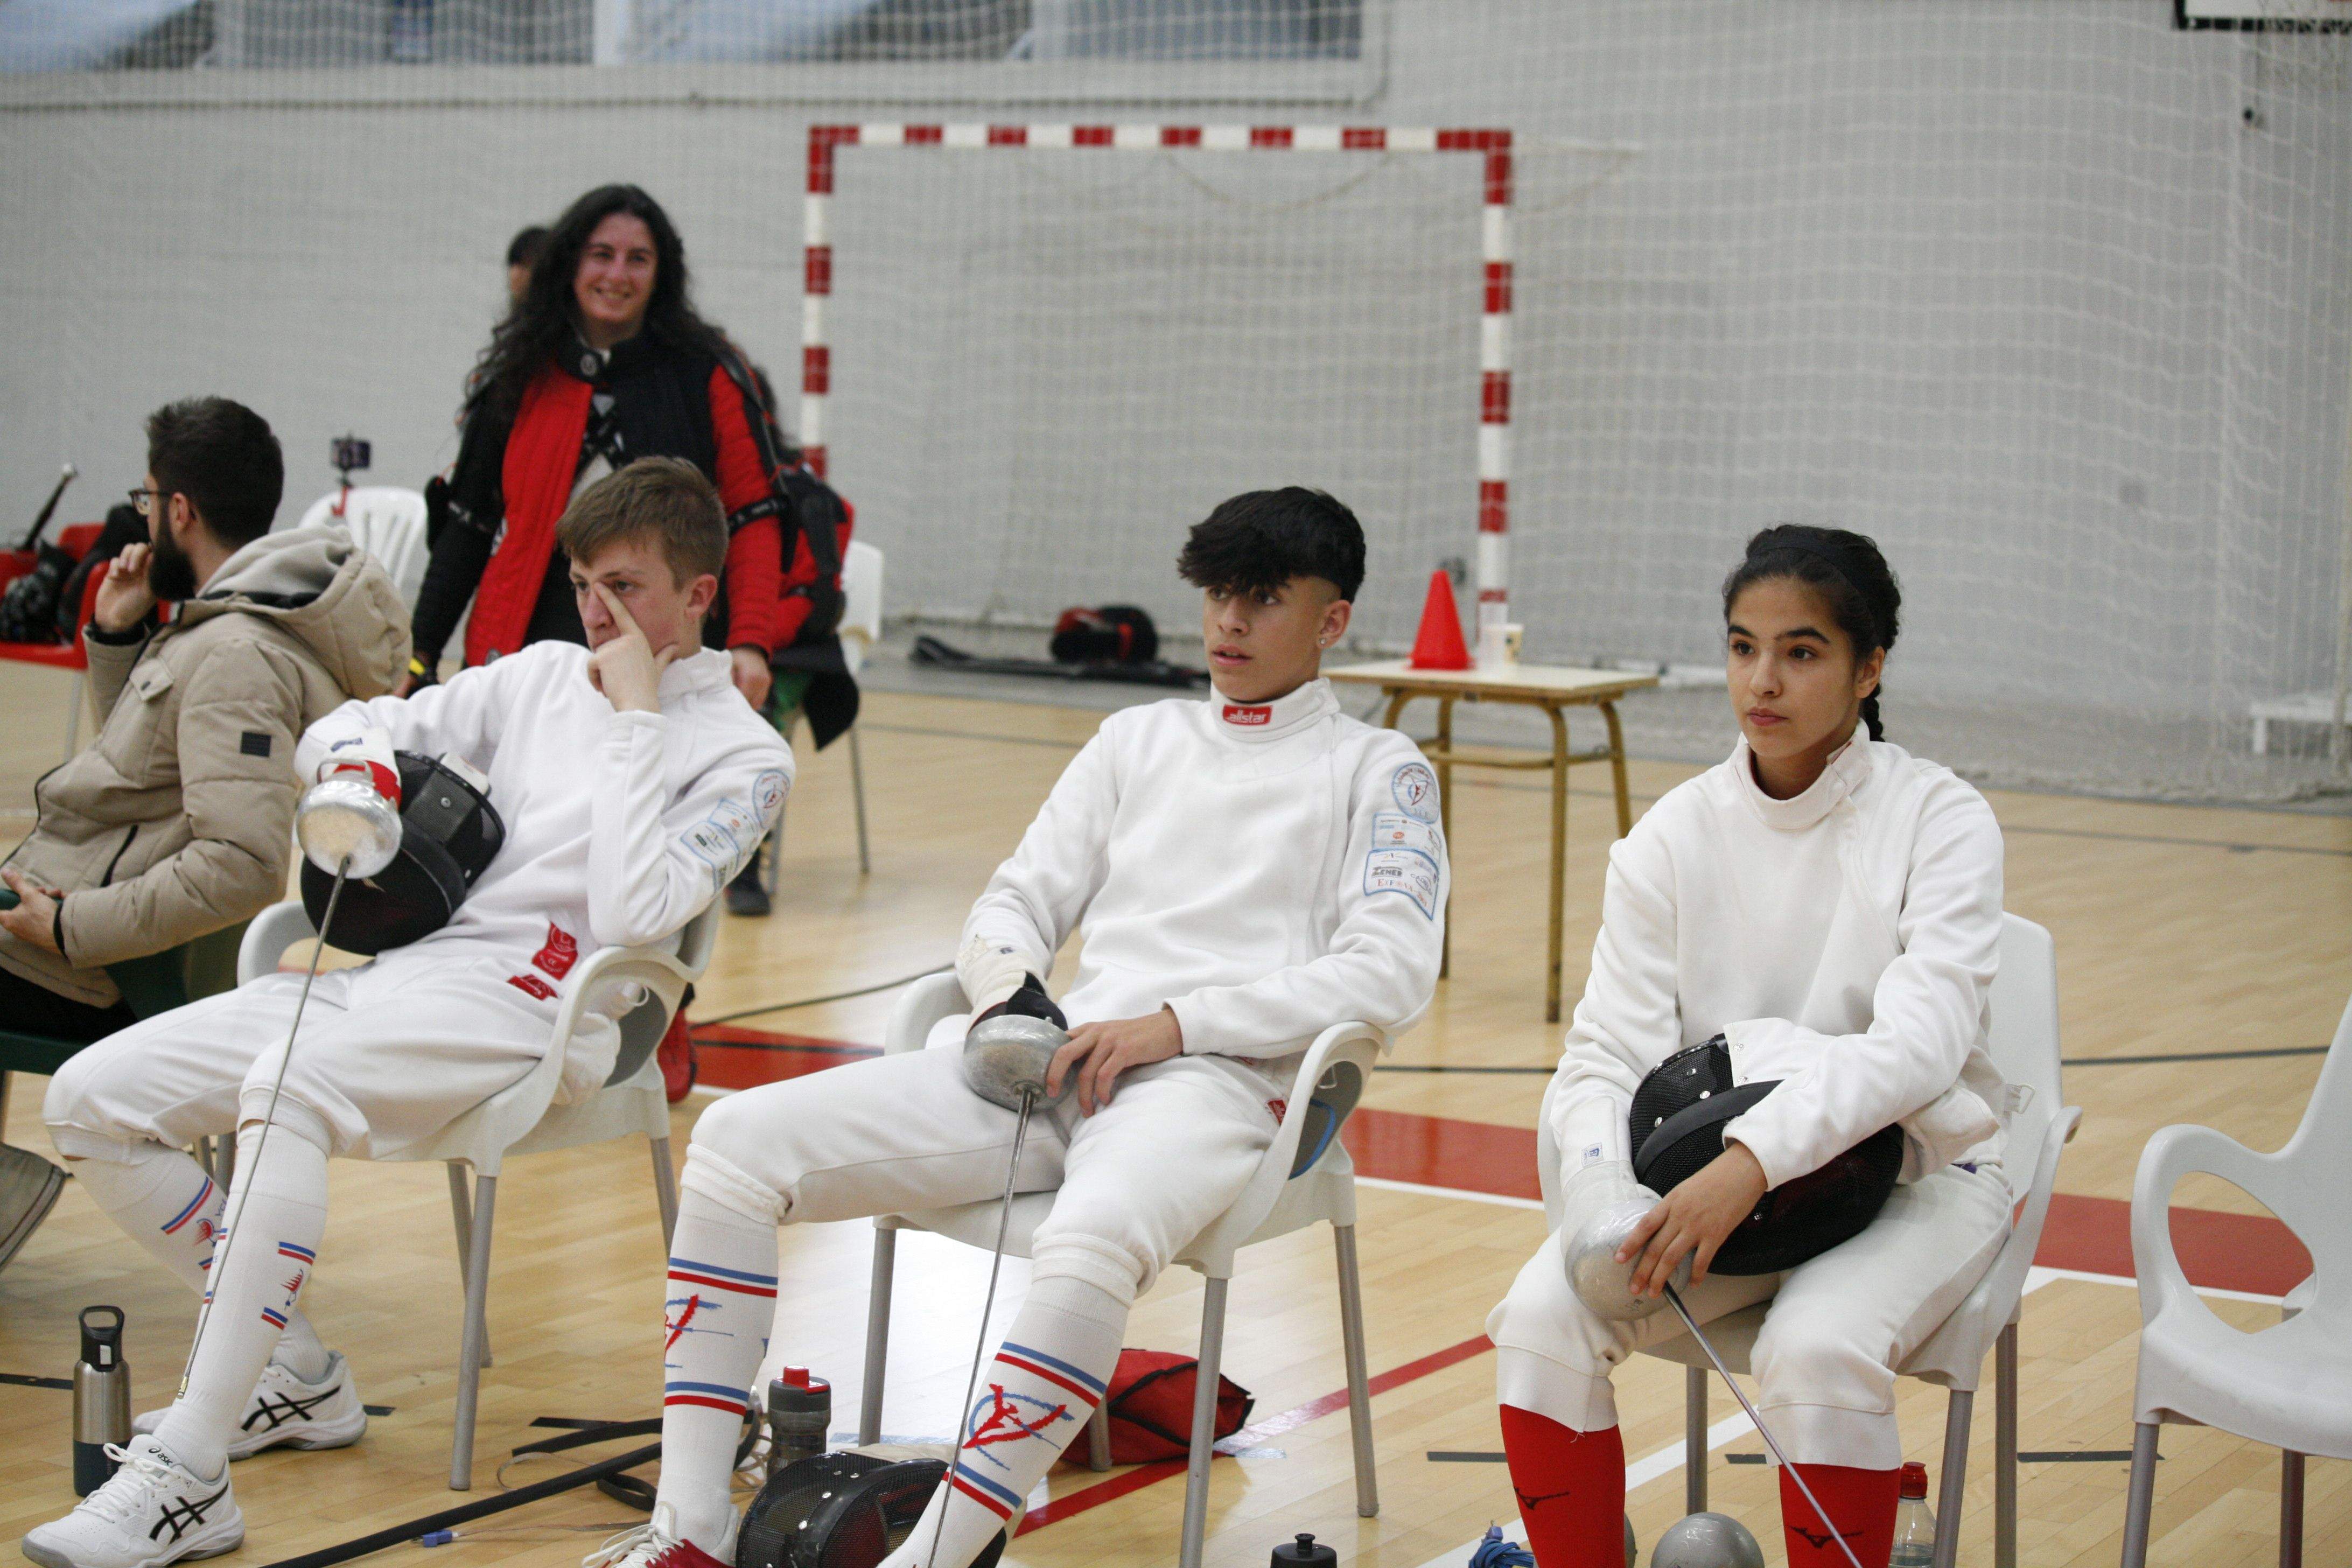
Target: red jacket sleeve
(754,555)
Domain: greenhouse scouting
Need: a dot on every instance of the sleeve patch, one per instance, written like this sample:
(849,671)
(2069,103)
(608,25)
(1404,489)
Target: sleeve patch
(768,792)
(1406,871)
(713,843)
(254,744)
(1415,789)
(1393,830)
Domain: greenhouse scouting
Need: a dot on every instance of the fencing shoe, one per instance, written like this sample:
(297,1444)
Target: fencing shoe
(29,1186)
(656,1544)
(154,1510)
(285,1411)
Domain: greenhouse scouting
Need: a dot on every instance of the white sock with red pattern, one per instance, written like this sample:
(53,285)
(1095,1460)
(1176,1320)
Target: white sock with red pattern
(721,1300)
(278,1211)
(1038,1394)
(165,1202)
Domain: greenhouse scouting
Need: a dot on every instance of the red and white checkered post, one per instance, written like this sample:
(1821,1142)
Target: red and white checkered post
(1493,146)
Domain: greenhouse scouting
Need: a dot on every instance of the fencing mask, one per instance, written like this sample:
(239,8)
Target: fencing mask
(841,1511)
(448,833)
(1676,1127)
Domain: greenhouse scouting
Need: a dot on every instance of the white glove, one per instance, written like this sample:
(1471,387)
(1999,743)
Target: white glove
(588,1057)
(368,757)
(1594,1190)
(1595,1205)
(991,970)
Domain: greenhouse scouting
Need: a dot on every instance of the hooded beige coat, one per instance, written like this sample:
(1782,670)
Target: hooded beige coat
(177,820)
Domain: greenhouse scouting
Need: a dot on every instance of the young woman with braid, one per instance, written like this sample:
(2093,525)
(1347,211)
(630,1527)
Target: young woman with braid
(1829,905)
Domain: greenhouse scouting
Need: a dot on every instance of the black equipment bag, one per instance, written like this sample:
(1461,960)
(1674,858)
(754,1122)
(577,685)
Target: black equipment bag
(1676,1132)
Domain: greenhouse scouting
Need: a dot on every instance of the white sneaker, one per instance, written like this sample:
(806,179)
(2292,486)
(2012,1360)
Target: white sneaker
(656,1545)
(154,1510)
(285,1410)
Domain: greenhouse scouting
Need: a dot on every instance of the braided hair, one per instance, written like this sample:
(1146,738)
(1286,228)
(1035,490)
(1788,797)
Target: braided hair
(1849,573)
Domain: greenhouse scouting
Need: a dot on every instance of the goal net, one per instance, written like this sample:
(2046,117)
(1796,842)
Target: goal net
(2050,300)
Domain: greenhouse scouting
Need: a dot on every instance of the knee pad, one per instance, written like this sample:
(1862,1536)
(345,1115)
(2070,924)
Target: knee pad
(1103,1265)
(714,1176)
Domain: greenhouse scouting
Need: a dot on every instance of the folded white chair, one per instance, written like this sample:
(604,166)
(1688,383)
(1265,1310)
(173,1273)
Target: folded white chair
(1281,1197)
(638,987)
(2290,1384)
(2024,1047)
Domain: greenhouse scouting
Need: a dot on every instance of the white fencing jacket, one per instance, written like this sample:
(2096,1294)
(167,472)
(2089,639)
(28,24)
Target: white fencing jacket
(1843,941)
(1264,871)
(620,828)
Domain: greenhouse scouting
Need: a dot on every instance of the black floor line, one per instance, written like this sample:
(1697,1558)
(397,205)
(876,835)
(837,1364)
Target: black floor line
(2069,1061)
(1453,1457)
(814,1001)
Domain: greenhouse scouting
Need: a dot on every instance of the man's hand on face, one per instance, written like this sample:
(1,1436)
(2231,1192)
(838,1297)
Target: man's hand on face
(752,675)
(124,596)
(34,919)
(626,670)
(1098,1053)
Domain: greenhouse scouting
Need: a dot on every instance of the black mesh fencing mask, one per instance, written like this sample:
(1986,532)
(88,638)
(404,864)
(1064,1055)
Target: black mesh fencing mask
(1676,1131)
(841,1510)
(448,833)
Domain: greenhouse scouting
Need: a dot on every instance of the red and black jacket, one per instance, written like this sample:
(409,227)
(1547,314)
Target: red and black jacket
(645,398)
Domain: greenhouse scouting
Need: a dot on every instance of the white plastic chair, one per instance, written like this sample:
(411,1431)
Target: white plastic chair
(860,629)
(1291,1190)
(641,987)
(385,521)
(2289,1385)
(2024,1047)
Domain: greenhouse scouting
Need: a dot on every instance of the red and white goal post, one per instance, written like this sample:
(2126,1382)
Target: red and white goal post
(1492,146)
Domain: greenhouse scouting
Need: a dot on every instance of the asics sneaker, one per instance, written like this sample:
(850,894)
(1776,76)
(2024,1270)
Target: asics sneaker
(285,1410)
(154,1510)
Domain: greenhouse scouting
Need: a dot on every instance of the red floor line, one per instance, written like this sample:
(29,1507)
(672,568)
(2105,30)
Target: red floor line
(2254,1253)
(1142,1476)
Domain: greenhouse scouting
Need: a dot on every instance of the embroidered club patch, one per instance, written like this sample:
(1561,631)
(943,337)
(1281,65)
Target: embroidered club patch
(1415,788)
(768,792)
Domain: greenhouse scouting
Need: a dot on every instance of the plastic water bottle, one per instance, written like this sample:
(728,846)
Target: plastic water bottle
(1915,1527)
(800,1414)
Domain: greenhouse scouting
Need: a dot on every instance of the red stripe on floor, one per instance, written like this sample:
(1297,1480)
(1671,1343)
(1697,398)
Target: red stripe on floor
(733,1057)
(1142,1476)
(1439,1152)
(2254,1253)
(2251,1252)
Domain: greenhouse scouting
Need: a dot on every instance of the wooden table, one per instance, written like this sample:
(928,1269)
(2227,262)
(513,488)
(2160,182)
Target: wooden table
(1552,688)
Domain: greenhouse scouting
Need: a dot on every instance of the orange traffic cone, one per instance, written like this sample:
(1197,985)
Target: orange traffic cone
(1438,644)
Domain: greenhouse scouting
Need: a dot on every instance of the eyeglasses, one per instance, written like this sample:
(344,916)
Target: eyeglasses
(144,500)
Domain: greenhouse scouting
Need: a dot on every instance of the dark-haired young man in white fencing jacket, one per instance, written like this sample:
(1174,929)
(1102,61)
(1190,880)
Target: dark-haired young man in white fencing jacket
(1246,872)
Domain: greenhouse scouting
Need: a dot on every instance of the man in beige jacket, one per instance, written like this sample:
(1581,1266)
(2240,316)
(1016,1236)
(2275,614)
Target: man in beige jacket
(177,820)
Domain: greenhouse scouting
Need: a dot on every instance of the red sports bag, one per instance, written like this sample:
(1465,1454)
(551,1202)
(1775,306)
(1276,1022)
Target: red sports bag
(1151,1406)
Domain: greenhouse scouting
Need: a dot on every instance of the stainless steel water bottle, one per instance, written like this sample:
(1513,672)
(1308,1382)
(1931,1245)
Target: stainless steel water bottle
(800,1414)
(102,1399)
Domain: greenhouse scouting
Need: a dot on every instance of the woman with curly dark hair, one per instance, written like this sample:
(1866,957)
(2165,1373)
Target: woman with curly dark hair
(602,361)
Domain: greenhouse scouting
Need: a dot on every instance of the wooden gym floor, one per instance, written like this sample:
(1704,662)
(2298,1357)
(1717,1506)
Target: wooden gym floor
(2180,931)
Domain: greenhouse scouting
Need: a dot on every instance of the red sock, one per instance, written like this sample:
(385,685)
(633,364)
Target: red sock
(1572,1487)
(1862,1502)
